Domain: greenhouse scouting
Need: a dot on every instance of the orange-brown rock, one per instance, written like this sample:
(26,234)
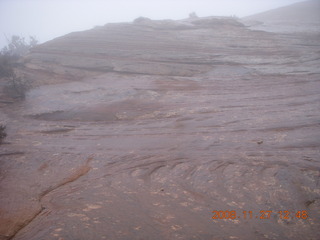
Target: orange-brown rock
(143,130)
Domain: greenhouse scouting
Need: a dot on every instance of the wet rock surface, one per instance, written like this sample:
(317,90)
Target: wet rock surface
(143,130)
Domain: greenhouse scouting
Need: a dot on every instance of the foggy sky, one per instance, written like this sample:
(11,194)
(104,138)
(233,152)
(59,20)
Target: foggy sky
(47,19)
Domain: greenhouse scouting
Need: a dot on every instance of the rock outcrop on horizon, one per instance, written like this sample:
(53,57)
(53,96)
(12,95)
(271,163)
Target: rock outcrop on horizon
(298,17)
(200,128)
(169,48)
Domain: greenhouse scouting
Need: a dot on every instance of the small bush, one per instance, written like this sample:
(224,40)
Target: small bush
(193,15)
(3,133)
(17,88)
(6,63)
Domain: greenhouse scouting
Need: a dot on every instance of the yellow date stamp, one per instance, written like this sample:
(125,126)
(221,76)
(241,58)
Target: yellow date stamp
(262,214)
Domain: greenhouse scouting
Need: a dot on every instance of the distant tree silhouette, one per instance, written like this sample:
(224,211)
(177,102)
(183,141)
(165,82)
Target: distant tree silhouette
(193,15)
(18,46)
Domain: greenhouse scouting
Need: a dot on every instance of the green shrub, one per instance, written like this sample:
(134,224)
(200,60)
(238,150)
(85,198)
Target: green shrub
(3,133)
(15,86)
(6,63)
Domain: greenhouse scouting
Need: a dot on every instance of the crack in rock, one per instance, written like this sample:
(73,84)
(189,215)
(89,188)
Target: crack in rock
(81,171)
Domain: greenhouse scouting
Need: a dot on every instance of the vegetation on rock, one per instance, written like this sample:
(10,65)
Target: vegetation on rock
(18,46)
(3,133)
(15,87)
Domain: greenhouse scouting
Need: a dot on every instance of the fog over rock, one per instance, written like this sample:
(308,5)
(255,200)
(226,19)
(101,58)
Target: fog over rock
(200,128)
(299,17)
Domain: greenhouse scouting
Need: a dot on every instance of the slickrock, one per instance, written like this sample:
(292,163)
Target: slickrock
(147,130)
